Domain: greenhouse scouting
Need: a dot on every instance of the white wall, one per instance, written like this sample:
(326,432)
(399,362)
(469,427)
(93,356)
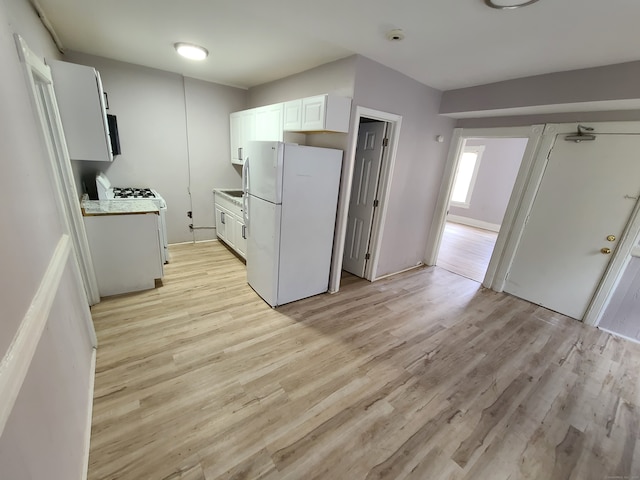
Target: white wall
(496,175)
(172,129)
(419,164)
(44,435)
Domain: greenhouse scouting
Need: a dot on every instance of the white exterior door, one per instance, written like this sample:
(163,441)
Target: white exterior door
(363,195)
(586,197)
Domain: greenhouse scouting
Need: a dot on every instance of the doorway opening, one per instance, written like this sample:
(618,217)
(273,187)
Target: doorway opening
(483,181)
(368,171)
(507,234)
(364,203)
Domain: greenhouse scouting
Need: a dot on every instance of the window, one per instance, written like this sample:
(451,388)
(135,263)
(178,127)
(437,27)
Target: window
(466,174)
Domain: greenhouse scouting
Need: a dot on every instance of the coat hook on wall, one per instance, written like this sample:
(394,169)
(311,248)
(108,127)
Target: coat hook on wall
(581,136)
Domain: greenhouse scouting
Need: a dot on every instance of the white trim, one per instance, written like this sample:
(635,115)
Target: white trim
(472,222)
(17,359)
(496,272)
(62,174)
(635,251)
(87,432)
(616,334)
(197,241)
(622,254)
(394,124)
(401,271)
(615,269)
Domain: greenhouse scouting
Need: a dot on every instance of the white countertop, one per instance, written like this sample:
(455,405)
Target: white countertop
(117,207)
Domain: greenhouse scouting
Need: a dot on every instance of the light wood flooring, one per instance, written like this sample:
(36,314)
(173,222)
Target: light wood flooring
(466,250)
(424,375)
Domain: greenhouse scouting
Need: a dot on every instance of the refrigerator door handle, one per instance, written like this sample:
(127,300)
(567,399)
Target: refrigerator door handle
(245,189)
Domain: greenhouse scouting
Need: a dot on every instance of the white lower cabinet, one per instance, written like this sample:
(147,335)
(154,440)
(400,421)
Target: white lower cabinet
(230,226)
(125,250)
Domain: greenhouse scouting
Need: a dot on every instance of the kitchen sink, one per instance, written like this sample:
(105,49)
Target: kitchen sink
(233,193)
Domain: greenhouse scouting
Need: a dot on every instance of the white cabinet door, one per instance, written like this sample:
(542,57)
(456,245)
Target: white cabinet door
(235,128)
(80,100)
(221,223)
(320,113)
(269,123)
(313,113)
(241,237)
(293,115)
(242,129)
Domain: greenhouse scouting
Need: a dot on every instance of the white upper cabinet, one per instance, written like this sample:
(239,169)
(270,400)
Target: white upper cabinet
(243,130)
(269,123)
(263,123)
(293,115)
(81,103)
(321,113)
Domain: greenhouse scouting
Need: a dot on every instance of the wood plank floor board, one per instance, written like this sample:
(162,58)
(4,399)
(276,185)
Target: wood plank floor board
(423,375)
(466,250)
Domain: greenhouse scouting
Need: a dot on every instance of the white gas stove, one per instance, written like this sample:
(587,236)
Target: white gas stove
(107,192)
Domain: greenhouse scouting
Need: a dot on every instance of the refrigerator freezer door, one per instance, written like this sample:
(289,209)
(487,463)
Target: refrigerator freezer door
(265,170)
(311,179)
(263,248)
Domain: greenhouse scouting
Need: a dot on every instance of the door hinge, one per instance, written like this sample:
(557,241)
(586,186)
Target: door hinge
(385,142)
(375,203)
(367,256)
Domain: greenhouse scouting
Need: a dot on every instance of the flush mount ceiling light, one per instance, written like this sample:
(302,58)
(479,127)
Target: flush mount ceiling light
(191,51)
(508,4)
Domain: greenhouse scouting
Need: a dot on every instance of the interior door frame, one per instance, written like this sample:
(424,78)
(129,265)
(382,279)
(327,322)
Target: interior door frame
(61,172)
(623,252)
(508,237)
(394,124)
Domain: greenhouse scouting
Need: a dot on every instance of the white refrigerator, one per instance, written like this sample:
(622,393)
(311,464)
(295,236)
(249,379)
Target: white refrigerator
(290,202)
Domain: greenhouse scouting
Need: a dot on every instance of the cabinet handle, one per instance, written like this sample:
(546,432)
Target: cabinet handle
(239,153)
(244,232)
(222,218)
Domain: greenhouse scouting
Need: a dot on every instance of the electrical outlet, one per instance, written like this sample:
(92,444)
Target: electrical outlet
(190,214)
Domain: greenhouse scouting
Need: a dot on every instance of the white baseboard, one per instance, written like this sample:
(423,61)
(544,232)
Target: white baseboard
(87,433)
(397,273)
(196,241)
(472,222)
(631,339)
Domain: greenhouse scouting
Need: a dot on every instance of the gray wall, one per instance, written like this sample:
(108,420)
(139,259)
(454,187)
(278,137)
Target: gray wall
(172,129)
(496,176)
(622,315)
(419,163)
(45,433)
(335,77)
(613,82)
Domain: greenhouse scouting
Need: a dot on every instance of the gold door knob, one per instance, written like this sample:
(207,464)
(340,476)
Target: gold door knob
(611,238)
(605,250)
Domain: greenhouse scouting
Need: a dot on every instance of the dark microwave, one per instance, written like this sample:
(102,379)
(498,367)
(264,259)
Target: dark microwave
(112,123)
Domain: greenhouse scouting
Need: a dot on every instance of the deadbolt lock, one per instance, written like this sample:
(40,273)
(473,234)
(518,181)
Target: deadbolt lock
(605,250)
(611,238)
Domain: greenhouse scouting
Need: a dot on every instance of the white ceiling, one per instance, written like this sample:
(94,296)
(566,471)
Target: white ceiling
(449,43)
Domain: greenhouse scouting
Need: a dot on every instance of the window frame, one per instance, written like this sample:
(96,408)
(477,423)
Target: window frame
(479,151)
